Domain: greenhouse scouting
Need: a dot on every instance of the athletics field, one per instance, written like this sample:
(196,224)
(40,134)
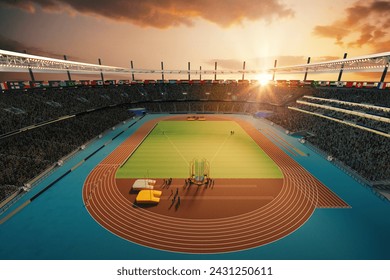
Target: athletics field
(83,210)
(170,147)
(258,195)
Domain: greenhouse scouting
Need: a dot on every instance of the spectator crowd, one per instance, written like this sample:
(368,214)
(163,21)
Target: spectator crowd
(364,151)
(25,155)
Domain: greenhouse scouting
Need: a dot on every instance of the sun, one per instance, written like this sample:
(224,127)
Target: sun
(264,78)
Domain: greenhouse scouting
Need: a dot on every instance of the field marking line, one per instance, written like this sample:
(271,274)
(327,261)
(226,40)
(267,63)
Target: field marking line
(220,148)
(174,146)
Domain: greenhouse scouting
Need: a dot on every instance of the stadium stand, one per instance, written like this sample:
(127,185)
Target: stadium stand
(364,151)
(73,116)
(363,96)
(25,155)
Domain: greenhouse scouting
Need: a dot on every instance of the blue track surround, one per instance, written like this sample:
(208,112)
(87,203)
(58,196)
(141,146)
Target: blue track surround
(55,224)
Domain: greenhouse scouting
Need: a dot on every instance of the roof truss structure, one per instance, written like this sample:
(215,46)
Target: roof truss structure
(367,63)
(20,62)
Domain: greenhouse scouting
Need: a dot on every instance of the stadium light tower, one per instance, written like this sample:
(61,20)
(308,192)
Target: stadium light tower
(243,71)
(341,69)
(189,70)
(132,72)
(215,73)
(274,71)
(67,71)
(384,73)
(30,71)
(308,62)
(101,71)
(162,70)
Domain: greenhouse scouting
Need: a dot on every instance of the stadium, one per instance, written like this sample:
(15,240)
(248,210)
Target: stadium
(194,168)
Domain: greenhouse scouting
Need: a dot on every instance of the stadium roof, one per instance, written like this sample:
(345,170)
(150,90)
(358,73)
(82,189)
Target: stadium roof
(367,63)
(20,62)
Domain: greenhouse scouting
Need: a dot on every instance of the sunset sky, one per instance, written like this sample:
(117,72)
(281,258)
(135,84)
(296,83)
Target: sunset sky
(199,31)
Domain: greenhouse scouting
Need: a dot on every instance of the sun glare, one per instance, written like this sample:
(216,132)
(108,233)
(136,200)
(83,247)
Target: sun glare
(264,78)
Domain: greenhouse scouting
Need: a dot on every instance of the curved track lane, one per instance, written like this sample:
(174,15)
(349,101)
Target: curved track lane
(300,195)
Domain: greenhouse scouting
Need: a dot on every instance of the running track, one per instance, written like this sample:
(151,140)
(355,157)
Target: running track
(300,195)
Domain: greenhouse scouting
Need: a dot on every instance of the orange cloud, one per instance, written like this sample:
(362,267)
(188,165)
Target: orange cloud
(332,31)
(166,13)
(368,22)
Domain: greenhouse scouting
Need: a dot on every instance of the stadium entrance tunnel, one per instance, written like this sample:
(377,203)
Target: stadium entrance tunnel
(138,112)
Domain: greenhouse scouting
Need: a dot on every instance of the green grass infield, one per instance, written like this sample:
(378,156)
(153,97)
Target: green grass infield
(168,150)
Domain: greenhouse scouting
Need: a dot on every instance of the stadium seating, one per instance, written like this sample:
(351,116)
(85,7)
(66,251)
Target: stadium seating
(27,154)
(363,151)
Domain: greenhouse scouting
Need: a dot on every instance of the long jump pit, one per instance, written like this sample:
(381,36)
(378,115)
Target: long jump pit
(258,194)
